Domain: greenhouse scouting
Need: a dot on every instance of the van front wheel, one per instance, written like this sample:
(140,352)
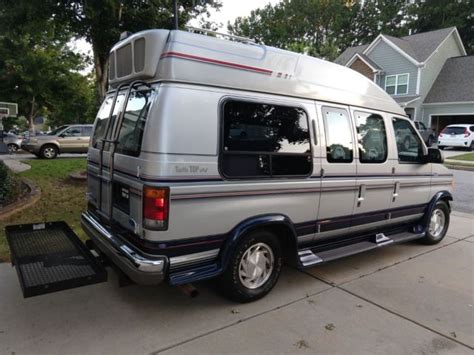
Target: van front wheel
(254,267)
(438,224)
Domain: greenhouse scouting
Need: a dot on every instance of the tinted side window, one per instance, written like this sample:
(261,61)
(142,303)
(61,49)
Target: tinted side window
(409,146)
(471,128)
(265,140)
(133,124)
(371,137)
(338,135)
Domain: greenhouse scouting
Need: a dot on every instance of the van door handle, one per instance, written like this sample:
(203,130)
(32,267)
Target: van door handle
(396,190)
(315,135)
(361,196)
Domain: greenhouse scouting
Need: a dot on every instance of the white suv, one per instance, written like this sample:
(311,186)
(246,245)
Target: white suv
(457,135)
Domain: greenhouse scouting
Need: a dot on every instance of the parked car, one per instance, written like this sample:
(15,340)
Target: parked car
(428,134)
(214,158)
(458,136)
(12,141)
(65,139)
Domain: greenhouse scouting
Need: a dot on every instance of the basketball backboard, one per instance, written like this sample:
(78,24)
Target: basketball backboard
(8,109)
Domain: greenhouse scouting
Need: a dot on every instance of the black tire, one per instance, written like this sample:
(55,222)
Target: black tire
(230,282)
(430,238)
(49,151)
(12,148)
(441,147)
(430,141)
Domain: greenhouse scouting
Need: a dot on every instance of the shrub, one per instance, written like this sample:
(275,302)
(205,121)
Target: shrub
(9,186)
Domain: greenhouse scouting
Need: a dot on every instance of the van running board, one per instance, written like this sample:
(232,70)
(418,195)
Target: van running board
(312,256)
(49,257)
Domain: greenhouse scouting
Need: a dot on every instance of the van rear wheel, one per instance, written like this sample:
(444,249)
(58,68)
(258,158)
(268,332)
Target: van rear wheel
(254,267)
(438,224)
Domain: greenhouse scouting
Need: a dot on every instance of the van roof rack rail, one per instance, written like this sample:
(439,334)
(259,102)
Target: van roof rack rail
(233,37)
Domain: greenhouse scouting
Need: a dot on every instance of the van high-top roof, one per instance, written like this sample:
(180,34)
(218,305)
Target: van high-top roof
(179,56)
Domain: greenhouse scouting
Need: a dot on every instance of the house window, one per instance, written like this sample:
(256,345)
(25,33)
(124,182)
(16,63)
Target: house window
(396,84)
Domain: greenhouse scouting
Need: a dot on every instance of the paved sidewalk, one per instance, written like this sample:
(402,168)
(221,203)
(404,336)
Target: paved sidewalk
(402,299)
(16,166)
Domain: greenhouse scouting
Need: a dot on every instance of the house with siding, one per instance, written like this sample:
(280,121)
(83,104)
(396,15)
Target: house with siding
(428,74)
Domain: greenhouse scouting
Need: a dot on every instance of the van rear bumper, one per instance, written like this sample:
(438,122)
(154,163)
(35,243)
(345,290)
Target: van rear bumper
(142,269)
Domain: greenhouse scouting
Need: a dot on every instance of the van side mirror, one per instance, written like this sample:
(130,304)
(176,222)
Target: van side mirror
(434,156)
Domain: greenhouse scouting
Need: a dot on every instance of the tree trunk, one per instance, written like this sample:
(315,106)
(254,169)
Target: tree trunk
(101,65)
(31,116)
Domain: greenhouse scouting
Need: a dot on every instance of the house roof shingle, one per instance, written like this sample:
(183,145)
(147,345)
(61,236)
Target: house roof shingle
(418,46)
(370,62)
(455,82)
(424,44)
(345,56)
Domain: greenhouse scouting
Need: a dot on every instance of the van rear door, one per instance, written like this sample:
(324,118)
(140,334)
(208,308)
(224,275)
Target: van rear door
(126,185)
(98,194)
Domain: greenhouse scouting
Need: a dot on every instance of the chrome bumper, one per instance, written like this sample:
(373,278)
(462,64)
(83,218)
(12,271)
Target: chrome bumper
(143,269)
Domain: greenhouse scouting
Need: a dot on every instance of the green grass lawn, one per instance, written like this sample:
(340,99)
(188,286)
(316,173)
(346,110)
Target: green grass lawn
(465,157)
(61,199)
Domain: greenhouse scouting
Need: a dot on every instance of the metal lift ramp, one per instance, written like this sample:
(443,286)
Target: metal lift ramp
(49,257)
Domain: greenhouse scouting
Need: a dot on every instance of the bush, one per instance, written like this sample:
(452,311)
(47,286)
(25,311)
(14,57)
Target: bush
(9,186)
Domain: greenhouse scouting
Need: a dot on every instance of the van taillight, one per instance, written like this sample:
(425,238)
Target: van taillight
(155,207)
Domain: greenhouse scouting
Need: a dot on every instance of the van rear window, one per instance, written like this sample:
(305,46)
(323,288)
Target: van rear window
(263,140)
(134,119)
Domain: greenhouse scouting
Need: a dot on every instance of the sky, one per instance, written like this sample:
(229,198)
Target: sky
(230,10)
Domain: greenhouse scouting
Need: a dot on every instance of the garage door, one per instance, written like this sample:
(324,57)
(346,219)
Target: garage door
(439,122)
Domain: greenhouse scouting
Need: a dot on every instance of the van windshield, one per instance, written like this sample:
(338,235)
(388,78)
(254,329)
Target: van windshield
(134,119)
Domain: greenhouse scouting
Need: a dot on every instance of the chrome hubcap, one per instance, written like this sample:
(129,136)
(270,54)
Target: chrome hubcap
(12,148)
(49,152)
(437,222)
(256,265)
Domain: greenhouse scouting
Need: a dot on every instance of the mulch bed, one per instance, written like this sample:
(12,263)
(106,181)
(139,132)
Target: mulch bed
(30,193)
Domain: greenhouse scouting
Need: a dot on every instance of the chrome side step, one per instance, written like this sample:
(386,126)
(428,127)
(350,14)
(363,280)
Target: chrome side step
(313,256)
(307,258)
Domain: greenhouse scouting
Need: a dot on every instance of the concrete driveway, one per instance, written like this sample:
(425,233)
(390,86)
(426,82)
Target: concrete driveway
(402,299)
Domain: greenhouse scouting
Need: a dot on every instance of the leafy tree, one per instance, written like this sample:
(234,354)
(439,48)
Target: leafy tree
(39,71)
(101,22)
(435,14)
(311,27)
(322,28)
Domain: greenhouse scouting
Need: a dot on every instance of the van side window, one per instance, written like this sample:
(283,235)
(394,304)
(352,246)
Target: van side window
(338,135)
(371,137)
(263,140)
(133,124)
(409,146)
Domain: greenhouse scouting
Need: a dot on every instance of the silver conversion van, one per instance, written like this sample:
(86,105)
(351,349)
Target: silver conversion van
(225,158)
